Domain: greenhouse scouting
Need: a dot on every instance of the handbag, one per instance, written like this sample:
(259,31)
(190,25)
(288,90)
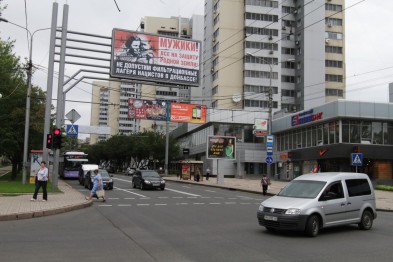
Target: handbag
(100,193)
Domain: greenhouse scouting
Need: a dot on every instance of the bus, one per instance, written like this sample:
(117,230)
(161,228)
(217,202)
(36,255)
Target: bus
(72,162)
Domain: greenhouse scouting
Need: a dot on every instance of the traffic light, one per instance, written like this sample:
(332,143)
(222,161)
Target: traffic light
(49,141)
(57,138)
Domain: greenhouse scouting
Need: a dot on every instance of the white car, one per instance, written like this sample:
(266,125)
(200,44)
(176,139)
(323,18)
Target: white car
(314,201)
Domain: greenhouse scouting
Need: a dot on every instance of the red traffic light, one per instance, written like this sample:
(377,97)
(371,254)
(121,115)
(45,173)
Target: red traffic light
(57,132)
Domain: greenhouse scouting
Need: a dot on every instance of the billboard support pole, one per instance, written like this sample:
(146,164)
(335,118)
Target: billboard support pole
(167,148)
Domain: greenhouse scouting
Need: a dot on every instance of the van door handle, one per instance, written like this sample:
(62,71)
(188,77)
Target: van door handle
(349,203)
(342,204)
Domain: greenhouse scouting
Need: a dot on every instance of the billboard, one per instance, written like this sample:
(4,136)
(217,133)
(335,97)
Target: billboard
(221,147)
(147,109)
(189,113)
(155,58)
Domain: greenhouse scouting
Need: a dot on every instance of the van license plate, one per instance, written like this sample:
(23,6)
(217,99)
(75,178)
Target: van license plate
(271,218)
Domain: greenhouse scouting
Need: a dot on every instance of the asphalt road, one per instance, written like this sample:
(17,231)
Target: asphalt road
(182,223)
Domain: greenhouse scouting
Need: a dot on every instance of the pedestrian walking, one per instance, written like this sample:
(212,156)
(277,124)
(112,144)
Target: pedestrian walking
(98,186)
(265,182)
(207,173)
(41,180)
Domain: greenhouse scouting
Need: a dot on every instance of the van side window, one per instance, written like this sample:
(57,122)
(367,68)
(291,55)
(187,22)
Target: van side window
(334,191)
(358,187)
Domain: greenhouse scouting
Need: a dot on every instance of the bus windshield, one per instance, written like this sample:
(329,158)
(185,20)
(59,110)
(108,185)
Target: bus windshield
(72,163)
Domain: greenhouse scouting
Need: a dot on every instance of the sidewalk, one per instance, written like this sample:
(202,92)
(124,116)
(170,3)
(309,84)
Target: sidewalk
(20,207)
(384,199)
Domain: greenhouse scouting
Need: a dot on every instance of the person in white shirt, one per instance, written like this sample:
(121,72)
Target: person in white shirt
(41,181)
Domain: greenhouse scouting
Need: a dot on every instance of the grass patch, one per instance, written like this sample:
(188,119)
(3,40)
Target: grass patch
(15,187)
(384,187)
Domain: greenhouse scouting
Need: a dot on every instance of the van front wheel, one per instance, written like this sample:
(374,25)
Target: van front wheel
(367,220)
(312,226)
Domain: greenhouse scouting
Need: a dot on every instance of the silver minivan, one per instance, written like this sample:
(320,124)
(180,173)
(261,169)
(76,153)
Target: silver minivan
(314,201)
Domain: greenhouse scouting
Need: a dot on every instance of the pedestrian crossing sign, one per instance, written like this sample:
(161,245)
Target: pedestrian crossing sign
(72,130)
(357,159)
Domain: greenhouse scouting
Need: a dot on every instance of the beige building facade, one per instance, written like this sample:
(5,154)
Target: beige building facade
(294,48)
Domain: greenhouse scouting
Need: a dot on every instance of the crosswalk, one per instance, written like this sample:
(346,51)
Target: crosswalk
(176,201)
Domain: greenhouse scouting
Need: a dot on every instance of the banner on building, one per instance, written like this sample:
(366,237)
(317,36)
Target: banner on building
(155,58)
(189,113)
(221,147)
(147,109)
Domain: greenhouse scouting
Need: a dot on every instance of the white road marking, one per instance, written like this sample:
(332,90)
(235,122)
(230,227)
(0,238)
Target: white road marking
(214,203)
(129,198)
(143,204)
(113,198)
(230,203)
(160,204)
(198,203)
(181,192)
(211,191)
(245,203)
(245,197)
(104,205)
(181,203)
(124,205)
(128,191)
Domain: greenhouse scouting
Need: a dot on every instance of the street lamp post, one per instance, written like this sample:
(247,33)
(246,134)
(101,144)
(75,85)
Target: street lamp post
(27,117)
(270,104)
(270,101)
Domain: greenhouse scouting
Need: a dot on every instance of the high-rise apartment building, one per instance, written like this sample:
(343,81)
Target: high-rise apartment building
(293,48)
(110,99)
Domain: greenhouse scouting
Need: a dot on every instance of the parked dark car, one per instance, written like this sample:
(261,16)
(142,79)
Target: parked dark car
(106,179)
(147,179)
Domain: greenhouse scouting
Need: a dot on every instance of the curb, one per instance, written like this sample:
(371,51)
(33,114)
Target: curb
(48,212)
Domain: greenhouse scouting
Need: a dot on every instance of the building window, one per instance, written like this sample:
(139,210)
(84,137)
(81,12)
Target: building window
(260,89)
(333,21)
(334,92)
(334,78)
(334,63)
(216,19)
(261,45)
(287,79)
(334,35)
(332,7)
(334,49)
(261,74)
(288,51)
(266,3)
(214,90)
(262,17)
(261,60)
(261,31)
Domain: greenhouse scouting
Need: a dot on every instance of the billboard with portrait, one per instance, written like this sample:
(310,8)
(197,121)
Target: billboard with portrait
(189,113)
(155,58)
(221,147)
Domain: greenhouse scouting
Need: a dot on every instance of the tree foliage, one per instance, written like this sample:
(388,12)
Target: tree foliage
(13,89)
(141,150)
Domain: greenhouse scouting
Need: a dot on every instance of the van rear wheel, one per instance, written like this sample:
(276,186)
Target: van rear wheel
(366,221)
(312,226)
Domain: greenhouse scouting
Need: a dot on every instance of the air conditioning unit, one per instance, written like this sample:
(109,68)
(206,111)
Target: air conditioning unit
(212,70)
(270,37)
(297,42)
(271,52)
(214,39)
(284,28)
(327,41)
(215,12)
(329,25)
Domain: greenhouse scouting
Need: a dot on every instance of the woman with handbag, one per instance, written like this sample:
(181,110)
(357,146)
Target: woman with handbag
(265,182)
(98,187)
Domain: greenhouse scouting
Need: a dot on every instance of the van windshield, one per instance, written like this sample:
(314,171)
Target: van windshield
(302,189)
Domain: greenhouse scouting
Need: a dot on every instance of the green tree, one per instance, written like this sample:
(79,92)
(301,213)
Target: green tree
(13,87)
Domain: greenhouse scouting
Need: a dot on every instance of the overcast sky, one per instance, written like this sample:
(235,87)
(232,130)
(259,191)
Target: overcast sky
(369,34)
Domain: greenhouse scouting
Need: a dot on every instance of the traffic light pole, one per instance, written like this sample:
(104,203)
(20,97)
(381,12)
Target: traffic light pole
(59,107)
